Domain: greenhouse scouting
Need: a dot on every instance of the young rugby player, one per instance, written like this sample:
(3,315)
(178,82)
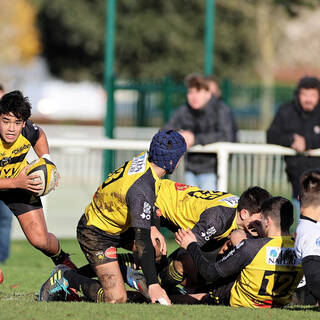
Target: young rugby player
(307,243)
(18,135)
(265,271)
(211,215)
(120,212)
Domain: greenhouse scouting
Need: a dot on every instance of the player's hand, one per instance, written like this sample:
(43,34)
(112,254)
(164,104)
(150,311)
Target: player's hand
(184,238)
(299,143)
(31,183)
(158,240)
(156,293)
(188,137)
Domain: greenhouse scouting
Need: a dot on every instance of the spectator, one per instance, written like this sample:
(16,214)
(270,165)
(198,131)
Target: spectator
(214,88)
(5,221)
(202,120)
(297,125)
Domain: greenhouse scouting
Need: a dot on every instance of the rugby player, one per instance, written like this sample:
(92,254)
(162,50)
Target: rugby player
(257,273)
(211,215)
(120,212)
(17,190)
(307,243)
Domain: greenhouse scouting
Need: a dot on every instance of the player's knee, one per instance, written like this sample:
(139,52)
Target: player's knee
(119,297)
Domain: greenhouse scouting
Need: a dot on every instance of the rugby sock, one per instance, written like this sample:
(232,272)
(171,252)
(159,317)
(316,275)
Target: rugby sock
(90,288)
(126,259)
(87,271)
(169,276)
(62,257)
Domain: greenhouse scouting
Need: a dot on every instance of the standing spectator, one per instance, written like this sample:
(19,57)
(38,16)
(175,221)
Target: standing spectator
(202,120)
(5,221)
(214,88)
(297,125)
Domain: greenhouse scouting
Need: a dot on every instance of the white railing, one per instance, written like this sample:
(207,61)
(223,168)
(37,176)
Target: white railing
(222,149)
(80,163)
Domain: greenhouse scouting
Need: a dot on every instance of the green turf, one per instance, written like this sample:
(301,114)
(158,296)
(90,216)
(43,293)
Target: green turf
(27,268)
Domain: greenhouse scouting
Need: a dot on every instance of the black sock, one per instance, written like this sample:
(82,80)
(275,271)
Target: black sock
(170,277)
(126,259)
(59,257)
(89,287)
(87,271)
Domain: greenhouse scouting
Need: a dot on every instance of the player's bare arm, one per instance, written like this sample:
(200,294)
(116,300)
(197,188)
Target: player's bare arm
(158,240)
(22,181)
(41,147)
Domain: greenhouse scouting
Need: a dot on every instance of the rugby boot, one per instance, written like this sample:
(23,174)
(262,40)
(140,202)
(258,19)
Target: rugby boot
(56,288)
(136,280)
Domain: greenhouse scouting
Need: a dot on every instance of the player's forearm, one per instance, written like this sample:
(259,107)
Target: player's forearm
(8,183)
(146,255)
(205,267)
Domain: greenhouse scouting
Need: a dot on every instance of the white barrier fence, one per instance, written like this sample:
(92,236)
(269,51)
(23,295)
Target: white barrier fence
(80,163)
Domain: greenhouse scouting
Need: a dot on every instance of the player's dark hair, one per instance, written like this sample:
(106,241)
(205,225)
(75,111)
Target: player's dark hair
(196,81)
(17,104)
(308,82)
(279,208)
(252,198)
(310,188)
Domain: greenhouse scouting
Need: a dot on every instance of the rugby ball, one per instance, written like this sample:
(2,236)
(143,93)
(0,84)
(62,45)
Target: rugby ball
(47,172)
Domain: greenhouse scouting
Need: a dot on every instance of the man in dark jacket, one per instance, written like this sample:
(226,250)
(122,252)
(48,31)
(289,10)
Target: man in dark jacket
(297,125)
(202,120)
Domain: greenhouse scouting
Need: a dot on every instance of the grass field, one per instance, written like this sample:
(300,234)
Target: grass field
(27,269)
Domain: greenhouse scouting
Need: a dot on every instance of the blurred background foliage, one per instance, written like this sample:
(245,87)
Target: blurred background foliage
(159,38)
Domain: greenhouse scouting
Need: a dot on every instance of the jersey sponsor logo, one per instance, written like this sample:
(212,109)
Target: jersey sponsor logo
(230,201)
(231,253)
(138,164)
(210,232)
(146,214)
(281,256)
(111,253)
(19,150)
(181,186)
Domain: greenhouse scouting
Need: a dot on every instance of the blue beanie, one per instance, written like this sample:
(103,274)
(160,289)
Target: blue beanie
(166,148)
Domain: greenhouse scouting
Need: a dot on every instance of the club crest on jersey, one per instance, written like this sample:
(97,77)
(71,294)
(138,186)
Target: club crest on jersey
(281,256)
(146,214)
(318,242)
(210,232)
(138,164)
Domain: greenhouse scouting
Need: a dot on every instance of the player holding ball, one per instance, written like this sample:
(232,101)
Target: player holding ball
(17,189)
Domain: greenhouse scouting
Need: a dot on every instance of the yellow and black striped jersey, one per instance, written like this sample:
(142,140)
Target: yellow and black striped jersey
(126,198)
(267,270)
(211,215)
(13,158)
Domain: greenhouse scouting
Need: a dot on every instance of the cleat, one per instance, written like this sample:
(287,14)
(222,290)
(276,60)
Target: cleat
(56,287)
(135,280)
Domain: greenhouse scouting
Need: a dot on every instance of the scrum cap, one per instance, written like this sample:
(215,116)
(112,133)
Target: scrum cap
(166,148)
